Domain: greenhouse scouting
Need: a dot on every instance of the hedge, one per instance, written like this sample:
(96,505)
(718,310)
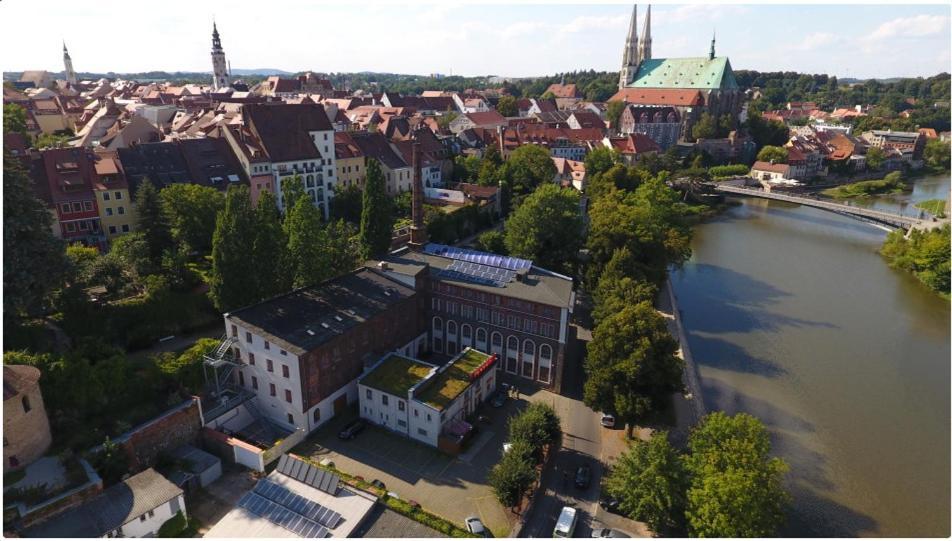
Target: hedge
(719,171)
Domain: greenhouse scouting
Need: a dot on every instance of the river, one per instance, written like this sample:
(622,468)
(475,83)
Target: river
(794,317)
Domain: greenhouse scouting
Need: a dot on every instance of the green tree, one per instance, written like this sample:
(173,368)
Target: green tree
(376,219)
(875,157)
(184,371)
(650,483)
(231,285)
(527,167)
(152,222)
(547,228)
(507,106)
(773,154)
(270,249)
(489,166)
(621,284)
(631,364)
(492,241)
(616,177)
(14,120)
(765,132)
(340,246)
(444,120)
(191,210)
(538,426)
(736,488)
(600,160)
(510,478)
(132,252)
(292,189)
(305,245)
(937,153)
(924,253)
(613,112)
(346,203)
(51,140)
(705,128)
(34,262)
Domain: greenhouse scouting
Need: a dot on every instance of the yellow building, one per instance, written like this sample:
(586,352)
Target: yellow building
(112,197)
(351,163)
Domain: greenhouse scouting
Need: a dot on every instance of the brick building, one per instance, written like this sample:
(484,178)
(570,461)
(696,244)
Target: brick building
(66,179)
(661,124)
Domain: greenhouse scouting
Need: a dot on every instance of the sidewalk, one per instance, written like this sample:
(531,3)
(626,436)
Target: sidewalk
(689,405)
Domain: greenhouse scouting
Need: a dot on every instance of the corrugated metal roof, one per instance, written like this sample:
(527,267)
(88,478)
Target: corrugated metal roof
(700,72)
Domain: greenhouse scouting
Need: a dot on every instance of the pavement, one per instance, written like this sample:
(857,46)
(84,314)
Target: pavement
(208,505)
(48,471)
(382,522)
(452,487)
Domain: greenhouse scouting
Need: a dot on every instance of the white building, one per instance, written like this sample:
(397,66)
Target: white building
(423,401)
(136,507)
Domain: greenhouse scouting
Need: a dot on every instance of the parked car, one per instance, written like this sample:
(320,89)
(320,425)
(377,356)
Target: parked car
(379,484)
(583,477)
(484,419)
(565,525)
(350,431)
(608,532)
(499,400)
(475,526)
(608,421)
(609,503)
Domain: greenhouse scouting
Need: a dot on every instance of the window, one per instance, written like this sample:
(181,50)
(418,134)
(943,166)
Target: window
(125,228)
(274,392)
(512,354)
(480,336)
(241,379)
(317,415)
(112,230)
(290,419)
(121,210)
(251,359)
(420,431)
(267,345)
(254,383)
(118,195)
(385,399)
(64,208)
(370,394)
(284,352)
(270,365)
(285,371)
(83,226)
(234,330)
(287,396)
(402,423)
(26,404)
(87,205)
(429,417)
(247,337)
(401,405)
(416,412)
(545,363)
(77,206)
(142,518)
(105,196)
(151,514)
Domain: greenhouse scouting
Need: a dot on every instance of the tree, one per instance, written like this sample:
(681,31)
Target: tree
(538,426)
(613,112)
(111,462)
(547,228)
(51,140)
(292,189)
(511,478)
(875,157)
(191,210)
(621,284)
(270,249)
(492,241)
(132,252)
(631,364)
(736,489)
(773,154)
(600,160)
(765,132)
(650,483)
(231,285)
(937,153)
(924,253)
(376,220)
(617,177)
(184,371)
(14,120)
(346,203)
(527,167)
(152,222)
(488,172)
(306,257)
(444,120)
(340,247)
(705,128)
(507,106)
(34,260)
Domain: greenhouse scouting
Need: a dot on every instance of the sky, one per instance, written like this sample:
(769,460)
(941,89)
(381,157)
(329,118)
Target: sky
(515,40)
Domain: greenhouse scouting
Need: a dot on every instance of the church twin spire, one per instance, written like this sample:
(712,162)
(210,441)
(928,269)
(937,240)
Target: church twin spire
(636,50)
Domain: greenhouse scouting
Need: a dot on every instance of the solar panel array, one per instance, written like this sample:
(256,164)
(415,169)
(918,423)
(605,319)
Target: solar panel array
(282,516)
(474,256)
(309,474)
(299,504)
(480,274)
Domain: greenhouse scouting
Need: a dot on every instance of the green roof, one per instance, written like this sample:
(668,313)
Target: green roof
(693,73)
(448,385)
(396,375)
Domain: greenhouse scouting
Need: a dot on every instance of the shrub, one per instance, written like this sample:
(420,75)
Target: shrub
(719,171)
(174,527)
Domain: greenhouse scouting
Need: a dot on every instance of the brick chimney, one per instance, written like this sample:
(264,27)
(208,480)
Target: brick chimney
(417,229)
(501,133)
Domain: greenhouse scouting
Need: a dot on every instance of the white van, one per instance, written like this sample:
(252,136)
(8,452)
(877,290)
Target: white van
(565,526)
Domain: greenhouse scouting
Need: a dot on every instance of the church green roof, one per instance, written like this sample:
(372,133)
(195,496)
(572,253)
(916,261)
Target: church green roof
(692,73)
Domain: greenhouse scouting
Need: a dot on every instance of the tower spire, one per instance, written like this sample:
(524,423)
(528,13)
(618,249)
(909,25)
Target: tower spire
(644,46)
(68,65)
(219,66)
(713,39)
(630,59)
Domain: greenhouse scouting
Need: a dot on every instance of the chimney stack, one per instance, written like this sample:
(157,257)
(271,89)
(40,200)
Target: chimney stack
(417,229)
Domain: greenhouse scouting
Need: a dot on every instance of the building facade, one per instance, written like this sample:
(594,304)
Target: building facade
(661,124)
(26,429)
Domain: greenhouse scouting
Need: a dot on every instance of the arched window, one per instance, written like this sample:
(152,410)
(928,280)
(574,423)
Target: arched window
(672,117)
(437,335)
(528,358)
(644,118)
(451,343)
(512,355)
(545,363)
(451,327)
(496,343)
(657,117)
(481,337)
(467,335)
(437,324)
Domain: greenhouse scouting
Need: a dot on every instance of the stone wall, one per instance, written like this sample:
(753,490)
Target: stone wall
(177,426)
(26,434)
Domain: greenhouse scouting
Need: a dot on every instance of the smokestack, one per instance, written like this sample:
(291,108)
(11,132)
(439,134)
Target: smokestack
(417,229)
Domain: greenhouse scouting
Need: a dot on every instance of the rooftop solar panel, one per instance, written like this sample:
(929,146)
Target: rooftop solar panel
(282,516)
(482,258)
(309,474)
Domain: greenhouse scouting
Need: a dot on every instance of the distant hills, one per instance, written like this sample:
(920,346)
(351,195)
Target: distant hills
(260,71)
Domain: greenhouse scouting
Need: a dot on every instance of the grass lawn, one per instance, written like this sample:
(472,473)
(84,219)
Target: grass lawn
(890,184)
(935,207)
(396,375)
(451,382)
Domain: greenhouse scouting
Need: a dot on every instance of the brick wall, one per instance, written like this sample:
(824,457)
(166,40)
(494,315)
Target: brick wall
(162,434)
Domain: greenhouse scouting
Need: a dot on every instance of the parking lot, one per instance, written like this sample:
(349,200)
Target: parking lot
(452,487)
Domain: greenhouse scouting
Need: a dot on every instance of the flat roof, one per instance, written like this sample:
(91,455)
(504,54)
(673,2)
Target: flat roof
(452,380)
(396,374)
(352,504)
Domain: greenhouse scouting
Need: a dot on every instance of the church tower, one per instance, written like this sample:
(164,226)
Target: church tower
(219,70)
(644,46)
(68,62)
(630,58)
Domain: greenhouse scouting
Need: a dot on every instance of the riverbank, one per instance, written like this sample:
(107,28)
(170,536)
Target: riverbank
(891,183)
(689,404)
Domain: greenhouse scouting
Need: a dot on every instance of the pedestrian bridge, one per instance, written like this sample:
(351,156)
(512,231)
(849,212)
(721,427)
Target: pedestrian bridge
(920,220)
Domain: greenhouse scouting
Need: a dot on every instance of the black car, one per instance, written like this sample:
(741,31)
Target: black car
(351,430)
(583,477)
(609,503)
(379,484)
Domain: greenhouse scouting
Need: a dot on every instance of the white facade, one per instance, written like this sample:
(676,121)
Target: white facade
(318,175)
(148,524)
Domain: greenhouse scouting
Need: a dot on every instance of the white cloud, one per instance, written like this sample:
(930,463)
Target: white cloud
(588,22)
(816,40)
(689,12)
(522,28)
(918,26)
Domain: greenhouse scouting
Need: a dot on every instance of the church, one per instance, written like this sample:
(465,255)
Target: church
(691,85)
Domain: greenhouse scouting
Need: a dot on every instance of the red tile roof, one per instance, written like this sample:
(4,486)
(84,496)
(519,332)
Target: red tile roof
(563,91)
(659,96)
(486,118)
(283,129)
